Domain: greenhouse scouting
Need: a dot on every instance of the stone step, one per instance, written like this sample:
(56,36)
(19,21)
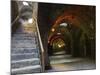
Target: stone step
(31,59)
(21,45)
(57,57)
(21,57)
(60,52)
(23,38)
(25,62)
(25,34)
(23,50)
(27,70)
(61,59)
(23,41)
(12,54)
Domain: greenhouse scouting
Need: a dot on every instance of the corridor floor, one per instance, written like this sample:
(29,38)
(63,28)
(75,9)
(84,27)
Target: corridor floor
(68,63)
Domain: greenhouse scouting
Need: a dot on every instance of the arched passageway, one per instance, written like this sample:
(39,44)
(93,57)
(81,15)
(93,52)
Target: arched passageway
(72,26)
(57,44)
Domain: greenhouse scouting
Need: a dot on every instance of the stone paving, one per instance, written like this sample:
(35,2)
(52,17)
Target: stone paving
(69,63)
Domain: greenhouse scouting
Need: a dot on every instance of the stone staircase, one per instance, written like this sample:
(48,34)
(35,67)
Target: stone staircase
(25,54)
